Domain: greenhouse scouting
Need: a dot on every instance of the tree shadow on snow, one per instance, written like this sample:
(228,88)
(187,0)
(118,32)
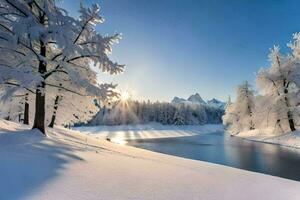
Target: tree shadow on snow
(28,160)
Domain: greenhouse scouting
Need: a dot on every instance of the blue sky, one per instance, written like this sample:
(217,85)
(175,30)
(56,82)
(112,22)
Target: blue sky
(179,47)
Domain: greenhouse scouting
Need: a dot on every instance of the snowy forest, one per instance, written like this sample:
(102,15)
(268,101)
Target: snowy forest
(275,107)
(134,112)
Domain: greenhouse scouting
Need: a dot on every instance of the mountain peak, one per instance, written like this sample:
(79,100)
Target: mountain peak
(178,100)
(196,98)
(216,103)
(213,100)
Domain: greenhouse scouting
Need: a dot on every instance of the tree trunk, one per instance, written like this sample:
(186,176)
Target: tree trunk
(39,118)
(26,111)
(252,125)
(292,125)
(51,125)
(289,113)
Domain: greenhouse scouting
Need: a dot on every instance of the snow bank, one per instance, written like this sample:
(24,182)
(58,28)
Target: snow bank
(290,139)
(10,126)
(72,165)
(147,131)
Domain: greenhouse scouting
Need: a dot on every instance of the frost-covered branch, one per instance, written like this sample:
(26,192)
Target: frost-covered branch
(63,88)
(18,85)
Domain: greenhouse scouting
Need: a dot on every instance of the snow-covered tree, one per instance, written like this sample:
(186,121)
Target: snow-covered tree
(228,103)
(277,105)
(12,109)
(15,107)
(280,84)
(42,47)
(70,108)
(179,116)
(239,115)
(229,117)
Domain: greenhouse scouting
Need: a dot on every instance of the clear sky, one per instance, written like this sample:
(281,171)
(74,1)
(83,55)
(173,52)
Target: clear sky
(179,47)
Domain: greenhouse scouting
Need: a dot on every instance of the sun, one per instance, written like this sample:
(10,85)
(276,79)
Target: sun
(125,96)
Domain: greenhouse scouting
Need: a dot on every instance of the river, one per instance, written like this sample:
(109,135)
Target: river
(220,148)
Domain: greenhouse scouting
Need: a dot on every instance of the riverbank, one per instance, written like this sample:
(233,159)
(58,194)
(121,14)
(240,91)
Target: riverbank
(290,139)
(71,165)
(147,131)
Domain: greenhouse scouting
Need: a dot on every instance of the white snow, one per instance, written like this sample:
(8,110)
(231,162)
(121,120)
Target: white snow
(71,165)
(196,98)
(147,131)
(290,139)
(216,103)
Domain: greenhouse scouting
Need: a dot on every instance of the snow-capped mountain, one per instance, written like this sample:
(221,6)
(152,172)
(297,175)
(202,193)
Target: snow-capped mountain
(216,103)
(196,99)
(193,99)
(178,100)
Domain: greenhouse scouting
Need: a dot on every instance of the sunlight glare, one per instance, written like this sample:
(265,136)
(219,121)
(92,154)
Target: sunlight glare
(125,96)
(118,140)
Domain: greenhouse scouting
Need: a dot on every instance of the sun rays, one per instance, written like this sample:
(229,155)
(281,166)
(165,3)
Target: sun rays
(125,96)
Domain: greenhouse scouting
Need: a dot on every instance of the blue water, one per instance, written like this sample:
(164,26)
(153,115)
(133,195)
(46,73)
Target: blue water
(231,151)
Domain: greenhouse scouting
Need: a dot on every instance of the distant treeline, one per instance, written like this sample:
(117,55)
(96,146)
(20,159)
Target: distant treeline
(135,112)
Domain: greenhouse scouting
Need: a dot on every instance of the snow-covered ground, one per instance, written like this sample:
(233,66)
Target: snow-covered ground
(71,165)
(291,139)
(146,131)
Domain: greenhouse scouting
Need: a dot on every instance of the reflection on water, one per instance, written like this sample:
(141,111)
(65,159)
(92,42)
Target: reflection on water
(118,140)
(231,151)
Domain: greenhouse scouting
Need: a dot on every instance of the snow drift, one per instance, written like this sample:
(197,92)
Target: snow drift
(71,165)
